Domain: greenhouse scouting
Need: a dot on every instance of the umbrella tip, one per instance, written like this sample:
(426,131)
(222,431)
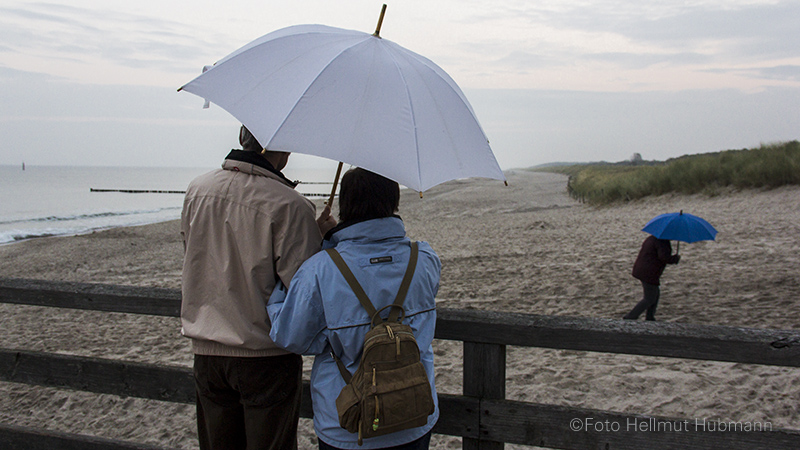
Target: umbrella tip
(380,22)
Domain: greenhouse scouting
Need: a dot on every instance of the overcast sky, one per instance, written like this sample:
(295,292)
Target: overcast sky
(90,82)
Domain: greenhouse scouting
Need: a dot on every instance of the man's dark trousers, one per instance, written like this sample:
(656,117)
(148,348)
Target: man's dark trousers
(248,403)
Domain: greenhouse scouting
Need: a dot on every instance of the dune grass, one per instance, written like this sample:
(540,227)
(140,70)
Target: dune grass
(768,166)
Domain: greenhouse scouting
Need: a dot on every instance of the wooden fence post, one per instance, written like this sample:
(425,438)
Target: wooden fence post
(484,378)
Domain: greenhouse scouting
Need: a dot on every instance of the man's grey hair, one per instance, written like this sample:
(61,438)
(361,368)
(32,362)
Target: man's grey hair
(248,141)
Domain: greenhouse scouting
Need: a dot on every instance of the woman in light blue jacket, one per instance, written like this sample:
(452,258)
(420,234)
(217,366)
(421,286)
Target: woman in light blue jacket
(320,313)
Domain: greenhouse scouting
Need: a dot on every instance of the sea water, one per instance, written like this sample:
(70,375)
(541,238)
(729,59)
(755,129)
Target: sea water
(58,200)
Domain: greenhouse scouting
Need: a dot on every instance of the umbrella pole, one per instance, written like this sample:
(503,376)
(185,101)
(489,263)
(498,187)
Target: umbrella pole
(678,250)
(380,22)
(335,183)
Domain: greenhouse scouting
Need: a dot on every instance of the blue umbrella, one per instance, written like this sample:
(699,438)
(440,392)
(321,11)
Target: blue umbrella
(681,227)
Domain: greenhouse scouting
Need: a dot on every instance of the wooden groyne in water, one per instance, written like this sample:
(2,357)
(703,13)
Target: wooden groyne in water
(158,191)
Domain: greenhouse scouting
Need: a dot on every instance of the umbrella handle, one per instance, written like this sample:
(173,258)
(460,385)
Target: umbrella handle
(678,250)
(335,183)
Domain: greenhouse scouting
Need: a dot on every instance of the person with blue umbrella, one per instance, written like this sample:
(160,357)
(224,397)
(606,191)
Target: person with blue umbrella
(656,253)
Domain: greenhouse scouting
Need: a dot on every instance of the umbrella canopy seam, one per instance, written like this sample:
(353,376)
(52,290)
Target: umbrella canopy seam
(451,84)
(347,34)
(411,107)
(242,52)
(311,83)
(438,71)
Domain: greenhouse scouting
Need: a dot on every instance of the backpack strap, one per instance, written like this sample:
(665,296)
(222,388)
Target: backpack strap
(352,281)
(362,296)
(359,291)
(401,294)
(346,375)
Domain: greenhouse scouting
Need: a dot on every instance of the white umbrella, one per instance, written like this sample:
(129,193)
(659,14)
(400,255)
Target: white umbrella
(353,97)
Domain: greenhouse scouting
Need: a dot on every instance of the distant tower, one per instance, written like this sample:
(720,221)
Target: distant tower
(636,158)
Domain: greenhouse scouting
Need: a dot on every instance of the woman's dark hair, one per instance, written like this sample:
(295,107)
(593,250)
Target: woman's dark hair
(366,195)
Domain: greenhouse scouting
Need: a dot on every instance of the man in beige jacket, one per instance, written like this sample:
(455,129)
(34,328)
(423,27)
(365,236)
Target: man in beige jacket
(244,227)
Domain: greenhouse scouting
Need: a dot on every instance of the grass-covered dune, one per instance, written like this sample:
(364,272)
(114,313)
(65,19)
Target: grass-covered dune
(768,166)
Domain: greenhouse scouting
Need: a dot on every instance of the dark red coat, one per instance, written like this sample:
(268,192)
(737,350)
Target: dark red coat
(654,255)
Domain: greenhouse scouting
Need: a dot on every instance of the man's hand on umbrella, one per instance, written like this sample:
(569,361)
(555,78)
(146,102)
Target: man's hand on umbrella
(325,221)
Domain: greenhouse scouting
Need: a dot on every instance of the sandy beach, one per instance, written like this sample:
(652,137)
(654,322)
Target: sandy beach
(524,248)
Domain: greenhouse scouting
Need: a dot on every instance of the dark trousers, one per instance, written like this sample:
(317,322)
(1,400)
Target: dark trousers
(649,302)
(248,403)
(420,444)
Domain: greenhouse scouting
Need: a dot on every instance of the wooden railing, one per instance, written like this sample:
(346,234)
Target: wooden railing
(481,416)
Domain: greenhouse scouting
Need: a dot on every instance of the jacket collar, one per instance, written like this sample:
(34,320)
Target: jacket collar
(256,162)
(373,229)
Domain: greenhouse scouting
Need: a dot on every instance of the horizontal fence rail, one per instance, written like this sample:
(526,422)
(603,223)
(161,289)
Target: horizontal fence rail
(14,437)
(482,416)
(716,343)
